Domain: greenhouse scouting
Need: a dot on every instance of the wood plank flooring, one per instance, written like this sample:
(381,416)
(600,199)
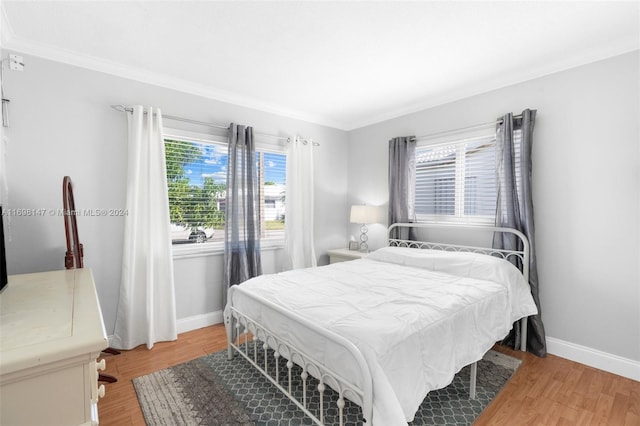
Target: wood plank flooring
(544,391)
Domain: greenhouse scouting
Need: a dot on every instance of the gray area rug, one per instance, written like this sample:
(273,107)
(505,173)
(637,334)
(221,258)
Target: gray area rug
(215,391)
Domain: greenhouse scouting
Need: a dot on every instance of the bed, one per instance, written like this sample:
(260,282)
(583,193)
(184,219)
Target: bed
(385,330)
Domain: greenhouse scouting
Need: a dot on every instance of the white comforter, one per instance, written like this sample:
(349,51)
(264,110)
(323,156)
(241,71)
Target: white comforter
(417,316)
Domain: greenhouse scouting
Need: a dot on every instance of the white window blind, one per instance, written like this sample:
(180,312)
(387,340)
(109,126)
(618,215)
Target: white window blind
(197,183)
(273,190)
(456,180)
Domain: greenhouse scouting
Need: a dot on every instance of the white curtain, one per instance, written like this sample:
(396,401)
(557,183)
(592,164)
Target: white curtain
(299,241)
(146,311)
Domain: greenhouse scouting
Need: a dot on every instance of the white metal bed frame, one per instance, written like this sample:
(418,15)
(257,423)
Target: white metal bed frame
(244,333)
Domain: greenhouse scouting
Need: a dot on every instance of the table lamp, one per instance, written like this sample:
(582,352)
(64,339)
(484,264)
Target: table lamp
(364,215)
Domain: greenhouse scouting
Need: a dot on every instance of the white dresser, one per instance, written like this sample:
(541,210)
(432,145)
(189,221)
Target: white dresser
(51,333)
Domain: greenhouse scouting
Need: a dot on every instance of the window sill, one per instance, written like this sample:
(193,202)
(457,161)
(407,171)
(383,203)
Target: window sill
(186,251)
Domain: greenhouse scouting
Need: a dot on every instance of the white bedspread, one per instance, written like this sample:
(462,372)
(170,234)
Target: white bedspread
(417,316)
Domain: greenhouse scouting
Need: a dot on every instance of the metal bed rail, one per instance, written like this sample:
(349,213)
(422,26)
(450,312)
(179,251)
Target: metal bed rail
(246,335)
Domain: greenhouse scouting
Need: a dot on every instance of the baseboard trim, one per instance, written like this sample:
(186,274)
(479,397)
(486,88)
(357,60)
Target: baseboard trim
(198,321)
(594,358)
(193,323)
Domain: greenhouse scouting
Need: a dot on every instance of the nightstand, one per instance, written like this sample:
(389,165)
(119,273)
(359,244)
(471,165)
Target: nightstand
(344,254)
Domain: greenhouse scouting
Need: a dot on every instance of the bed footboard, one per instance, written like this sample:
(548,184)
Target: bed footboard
(267,352)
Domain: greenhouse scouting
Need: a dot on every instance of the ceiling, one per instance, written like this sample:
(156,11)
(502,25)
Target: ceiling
(341,64)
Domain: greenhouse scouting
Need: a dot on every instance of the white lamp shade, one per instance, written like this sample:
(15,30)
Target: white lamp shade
(364,214)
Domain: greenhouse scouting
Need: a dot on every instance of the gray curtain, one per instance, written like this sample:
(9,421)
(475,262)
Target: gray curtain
(402,172)
(242,224)
(515,210)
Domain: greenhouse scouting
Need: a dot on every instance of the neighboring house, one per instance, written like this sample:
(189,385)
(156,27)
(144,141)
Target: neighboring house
(274,202)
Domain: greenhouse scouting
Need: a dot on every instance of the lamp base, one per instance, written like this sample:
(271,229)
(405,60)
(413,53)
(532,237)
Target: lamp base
(364,247)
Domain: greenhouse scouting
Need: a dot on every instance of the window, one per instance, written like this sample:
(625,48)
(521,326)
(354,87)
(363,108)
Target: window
(197,179)
(456,181)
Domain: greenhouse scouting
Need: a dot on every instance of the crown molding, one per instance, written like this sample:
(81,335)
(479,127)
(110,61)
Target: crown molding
(12,42)
(69,57)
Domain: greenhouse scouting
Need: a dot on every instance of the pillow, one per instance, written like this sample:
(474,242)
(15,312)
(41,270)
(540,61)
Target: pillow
(473,265)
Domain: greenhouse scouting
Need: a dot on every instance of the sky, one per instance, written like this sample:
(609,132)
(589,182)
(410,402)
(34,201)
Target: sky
(214,164)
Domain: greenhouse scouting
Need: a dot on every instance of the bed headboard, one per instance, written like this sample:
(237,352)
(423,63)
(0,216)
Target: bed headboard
(522,256)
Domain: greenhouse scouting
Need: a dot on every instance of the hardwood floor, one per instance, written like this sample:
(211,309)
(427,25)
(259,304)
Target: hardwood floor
(544,391)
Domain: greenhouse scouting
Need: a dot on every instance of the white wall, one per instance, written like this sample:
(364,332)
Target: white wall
(61,124)
(586,177)
(586,185)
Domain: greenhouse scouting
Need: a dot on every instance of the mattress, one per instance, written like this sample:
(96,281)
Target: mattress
(417,316)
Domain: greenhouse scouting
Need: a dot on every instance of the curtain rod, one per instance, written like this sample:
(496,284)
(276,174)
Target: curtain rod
(464,129)
(123,108)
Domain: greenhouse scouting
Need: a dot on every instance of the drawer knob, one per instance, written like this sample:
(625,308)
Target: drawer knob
(101,391)
(101,365)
